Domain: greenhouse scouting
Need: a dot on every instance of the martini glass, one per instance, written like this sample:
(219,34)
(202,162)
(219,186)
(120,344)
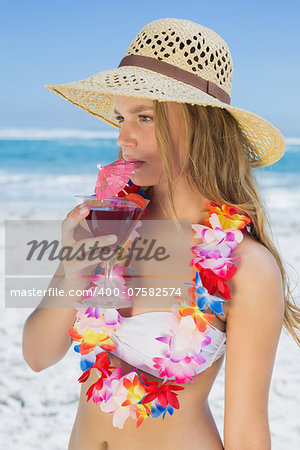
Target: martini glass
(116,215)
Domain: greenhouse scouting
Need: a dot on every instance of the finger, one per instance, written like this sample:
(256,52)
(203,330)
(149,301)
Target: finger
(82,231)
(71,221)
(95,243)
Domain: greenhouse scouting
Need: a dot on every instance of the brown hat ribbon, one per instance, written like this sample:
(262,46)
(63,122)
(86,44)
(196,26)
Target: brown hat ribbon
(178,74)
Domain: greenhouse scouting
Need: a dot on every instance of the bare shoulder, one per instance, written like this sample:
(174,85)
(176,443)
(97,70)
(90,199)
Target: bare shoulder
(257,278)
(255,255)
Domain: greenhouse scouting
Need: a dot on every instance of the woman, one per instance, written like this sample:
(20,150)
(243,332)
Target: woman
(171,96)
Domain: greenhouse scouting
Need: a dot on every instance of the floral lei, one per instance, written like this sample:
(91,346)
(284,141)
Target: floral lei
(138,397)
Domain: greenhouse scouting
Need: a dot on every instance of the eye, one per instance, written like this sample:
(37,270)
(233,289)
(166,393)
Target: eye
(143,118)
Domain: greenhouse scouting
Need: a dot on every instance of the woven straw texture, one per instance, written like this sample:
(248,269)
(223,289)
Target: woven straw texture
(191,47)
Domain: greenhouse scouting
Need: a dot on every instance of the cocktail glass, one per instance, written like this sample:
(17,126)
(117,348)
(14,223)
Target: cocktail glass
(119,216)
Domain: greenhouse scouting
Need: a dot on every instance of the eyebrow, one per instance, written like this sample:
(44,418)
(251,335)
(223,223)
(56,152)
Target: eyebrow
(137,109)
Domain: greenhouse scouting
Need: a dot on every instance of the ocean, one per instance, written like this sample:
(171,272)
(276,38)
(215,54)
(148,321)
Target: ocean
(39,177)
(52,171)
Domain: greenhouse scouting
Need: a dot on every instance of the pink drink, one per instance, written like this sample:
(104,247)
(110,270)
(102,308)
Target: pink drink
(115,221)
(116,215)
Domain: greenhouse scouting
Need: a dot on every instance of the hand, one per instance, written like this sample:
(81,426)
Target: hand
(72,230)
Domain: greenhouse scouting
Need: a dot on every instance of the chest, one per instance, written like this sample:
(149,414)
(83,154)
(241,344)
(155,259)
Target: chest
(160,266)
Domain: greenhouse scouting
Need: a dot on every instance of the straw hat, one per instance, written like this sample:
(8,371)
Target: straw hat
(175,60)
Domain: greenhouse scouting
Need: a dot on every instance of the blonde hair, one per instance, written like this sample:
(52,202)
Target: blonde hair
(215,163)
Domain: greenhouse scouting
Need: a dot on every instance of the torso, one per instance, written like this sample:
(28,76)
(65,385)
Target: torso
(190,427)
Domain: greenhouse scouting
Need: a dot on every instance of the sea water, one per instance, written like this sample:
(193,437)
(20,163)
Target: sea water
(48,173)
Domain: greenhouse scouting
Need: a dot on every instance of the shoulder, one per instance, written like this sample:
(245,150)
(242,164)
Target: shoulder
(257,281)
(254,256)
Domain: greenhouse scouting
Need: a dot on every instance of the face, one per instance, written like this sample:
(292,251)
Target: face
(137,138)
(138,141)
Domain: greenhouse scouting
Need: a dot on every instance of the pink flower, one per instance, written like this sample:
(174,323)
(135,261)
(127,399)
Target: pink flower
(182,371)
(99,320)
(219,266)
(217,243)
(125,393)
(184,354)
(103,391)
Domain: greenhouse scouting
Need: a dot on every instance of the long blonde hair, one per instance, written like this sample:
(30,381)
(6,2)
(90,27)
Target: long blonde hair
(215,163)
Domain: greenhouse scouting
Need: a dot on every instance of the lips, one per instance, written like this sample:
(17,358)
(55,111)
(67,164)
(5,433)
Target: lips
(136,163)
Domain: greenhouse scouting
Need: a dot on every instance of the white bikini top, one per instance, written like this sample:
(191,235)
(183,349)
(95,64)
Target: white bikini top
(135,342)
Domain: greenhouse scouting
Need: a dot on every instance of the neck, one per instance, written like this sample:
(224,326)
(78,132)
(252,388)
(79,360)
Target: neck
(187,200)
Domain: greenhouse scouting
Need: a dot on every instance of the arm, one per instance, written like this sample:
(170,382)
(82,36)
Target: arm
(45,333)
(254,323)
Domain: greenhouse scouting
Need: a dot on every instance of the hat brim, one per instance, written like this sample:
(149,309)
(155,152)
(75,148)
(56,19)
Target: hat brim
(95,95)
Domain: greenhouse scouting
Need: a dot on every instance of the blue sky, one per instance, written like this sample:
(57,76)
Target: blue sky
(60,41)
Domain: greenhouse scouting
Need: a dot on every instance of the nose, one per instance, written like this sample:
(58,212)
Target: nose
(127,138)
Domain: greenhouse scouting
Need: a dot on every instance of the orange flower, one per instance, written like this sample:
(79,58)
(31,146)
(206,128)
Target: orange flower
(201,319)
(229,216)
(141,412)
(135,390)
(89,340)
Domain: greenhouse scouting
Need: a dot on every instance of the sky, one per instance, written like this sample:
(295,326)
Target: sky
(58,41)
